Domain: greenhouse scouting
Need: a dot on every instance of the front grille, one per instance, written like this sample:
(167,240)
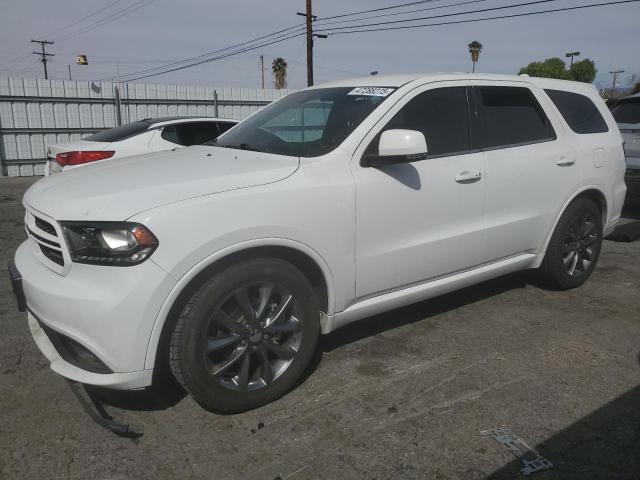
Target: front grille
(44,235)
(45,227)
(53,255)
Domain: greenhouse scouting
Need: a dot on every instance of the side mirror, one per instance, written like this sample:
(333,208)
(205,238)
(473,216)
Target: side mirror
(397,146)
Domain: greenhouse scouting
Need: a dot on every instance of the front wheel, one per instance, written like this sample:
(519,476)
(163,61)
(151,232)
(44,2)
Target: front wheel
(574,247)
(246,336)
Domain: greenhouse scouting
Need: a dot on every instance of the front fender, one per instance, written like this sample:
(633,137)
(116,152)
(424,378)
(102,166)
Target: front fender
(185,279)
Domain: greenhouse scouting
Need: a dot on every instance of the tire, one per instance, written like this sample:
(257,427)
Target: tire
(576,242)
(220,326)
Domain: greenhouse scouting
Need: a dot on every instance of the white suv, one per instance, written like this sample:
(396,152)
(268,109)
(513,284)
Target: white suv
(331,205)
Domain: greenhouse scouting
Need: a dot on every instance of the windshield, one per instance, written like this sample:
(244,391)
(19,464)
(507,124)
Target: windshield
(627,111)
(307,123)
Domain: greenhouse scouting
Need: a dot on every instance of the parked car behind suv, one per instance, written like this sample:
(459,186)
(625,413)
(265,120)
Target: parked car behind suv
(330,205)
(144,136)
(626,112)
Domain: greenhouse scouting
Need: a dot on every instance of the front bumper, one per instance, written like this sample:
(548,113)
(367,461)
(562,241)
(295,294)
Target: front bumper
(110,311)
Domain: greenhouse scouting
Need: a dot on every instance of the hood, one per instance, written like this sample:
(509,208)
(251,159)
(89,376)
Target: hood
(120,188)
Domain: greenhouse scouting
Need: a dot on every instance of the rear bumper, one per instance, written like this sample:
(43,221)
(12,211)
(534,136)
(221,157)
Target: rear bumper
(632,179)
(109,311)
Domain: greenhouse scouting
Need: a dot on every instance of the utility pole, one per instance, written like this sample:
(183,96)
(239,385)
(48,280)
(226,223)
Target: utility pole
(262,69)
(69,65)
(615,74)
(44,54)
(572,54)
(310,18)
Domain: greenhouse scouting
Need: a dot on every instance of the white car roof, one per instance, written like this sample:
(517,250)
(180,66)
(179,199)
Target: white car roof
(400,80)
(158,122)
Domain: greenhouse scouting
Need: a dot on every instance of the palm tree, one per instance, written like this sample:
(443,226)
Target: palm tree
(279,69)
(475,48)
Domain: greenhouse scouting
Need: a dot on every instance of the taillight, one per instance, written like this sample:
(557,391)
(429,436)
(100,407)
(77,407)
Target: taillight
(78,158)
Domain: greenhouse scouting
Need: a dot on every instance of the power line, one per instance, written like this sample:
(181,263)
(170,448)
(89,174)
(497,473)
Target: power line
(108,19)
(471,20)
(279,33)
(248,49)
(83,18)
(379,9)
(481,10)
(439,7)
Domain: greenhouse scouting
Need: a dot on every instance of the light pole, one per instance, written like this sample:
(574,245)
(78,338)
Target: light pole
(572,54)
(615,74)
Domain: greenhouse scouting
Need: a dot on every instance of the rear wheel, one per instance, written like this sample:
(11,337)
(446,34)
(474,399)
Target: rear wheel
(246,336)
(574,247)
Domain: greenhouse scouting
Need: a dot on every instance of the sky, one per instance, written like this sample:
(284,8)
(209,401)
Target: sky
(162,31)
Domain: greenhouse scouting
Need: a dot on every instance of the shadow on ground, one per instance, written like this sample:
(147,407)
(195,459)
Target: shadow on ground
(602,446)
(166,392)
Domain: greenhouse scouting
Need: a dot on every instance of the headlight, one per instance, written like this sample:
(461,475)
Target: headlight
(109,243)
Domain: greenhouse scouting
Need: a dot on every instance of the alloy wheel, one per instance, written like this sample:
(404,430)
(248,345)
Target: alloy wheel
(578,246)
(253,337)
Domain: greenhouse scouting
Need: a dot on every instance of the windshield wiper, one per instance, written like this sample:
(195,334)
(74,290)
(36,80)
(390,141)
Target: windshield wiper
(240,146)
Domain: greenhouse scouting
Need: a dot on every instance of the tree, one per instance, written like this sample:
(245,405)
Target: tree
(475,48)
(279,69)
(583,71)
(550,68)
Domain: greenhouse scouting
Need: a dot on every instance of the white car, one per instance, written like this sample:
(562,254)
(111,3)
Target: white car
(144,136)
(330,205)
(626,112)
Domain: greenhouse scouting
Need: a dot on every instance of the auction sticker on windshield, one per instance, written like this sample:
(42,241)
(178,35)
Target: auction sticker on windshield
(371,91)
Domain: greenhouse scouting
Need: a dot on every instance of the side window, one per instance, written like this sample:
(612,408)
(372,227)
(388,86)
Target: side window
(441,114)
(224,126)
(169,134)
(578,111)
(511,116)
(196,133)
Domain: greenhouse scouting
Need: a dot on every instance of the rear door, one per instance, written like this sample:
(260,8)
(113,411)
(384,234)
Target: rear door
(530,166)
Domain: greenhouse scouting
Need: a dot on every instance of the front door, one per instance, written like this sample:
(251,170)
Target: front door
(422,220)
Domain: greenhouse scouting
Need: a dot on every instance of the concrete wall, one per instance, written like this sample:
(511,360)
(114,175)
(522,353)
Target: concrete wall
(35,113)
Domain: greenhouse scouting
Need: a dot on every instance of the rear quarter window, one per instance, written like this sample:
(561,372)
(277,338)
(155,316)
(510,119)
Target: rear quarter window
(119,133)
(578,111)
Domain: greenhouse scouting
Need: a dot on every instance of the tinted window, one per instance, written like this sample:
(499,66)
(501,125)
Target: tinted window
(511,116)
(307,123)
(627,111)
(224,126)
(442,115)
(190,133)
(579,112)
(118,133)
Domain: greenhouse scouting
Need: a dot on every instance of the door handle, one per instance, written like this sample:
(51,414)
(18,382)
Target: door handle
(468,177)
(564,162)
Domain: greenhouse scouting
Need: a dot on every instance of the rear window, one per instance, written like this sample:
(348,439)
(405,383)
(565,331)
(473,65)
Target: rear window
(578,111)
(627,110)
(118,133)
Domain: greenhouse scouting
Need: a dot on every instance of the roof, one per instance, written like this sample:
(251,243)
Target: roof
(400,80)
(183,119)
